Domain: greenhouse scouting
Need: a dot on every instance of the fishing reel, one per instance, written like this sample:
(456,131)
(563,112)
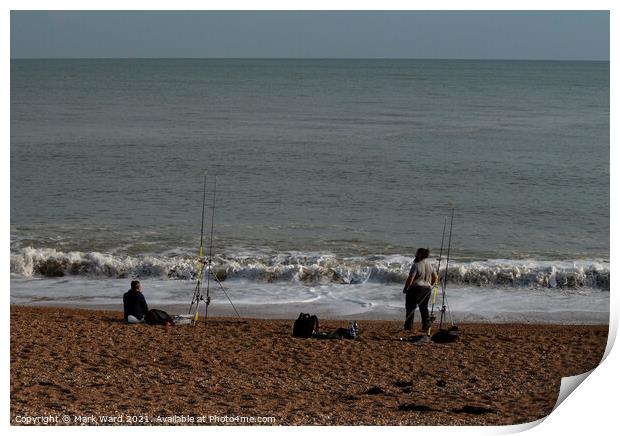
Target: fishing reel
(206,300)
(204,260)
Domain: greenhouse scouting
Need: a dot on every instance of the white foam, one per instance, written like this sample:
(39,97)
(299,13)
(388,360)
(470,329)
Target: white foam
(312,268)
(333,300)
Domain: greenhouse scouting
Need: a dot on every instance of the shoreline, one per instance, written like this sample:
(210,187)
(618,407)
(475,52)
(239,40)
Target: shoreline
(267,312)
(88,362)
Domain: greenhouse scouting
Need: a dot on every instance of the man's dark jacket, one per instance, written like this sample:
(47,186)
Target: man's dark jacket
(134,304)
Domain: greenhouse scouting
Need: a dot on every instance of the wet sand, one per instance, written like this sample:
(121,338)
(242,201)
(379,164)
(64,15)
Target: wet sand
(87,363)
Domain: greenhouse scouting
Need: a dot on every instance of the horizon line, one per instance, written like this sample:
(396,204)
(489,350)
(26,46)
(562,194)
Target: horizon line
(308,58)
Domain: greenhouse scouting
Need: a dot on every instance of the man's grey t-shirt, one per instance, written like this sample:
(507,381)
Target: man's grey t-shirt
(424,273)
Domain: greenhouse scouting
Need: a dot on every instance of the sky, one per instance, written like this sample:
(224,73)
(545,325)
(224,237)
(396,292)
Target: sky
(552,35)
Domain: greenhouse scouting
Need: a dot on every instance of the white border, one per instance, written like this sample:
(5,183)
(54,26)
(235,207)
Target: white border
(590,410)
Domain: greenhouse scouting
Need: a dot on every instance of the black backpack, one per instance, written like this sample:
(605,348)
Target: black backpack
(305,325)
(158,317)
(444,336)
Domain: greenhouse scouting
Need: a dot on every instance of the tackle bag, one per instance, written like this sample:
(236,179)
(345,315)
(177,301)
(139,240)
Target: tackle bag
(158,317)
(444,336)
(305,325)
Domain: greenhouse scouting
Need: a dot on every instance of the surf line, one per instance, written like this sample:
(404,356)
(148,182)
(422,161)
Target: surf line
(200,294)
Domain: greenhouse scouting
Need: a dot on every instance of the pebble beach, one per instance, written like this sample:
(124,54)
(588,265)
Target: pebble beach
(86,367)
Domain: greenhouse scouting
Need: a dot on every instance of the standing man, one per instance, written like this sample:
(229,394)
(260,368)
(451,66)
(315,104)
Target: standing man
(417,289)
(134,304)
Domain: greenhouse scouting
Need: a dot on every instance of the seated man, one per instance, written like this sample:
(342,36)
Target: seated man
(134,304)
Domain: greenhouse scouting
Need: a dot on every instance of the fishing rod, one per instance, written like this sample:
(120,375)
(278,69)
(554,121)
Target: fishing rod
(436,287)
(431,319)
(207,261)
(445,277)
(197,294)
(208,300)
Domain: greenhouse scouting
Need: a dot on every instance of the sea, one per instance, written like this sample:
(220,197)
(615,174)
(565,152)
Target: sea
(323,176)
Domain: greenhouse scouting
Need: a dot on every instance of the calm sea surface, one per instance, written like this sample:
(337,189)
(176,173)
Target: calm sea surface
(345,158)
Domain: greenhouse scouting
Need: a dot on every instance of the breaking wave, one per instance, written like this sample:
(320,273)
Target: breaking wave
(311,268)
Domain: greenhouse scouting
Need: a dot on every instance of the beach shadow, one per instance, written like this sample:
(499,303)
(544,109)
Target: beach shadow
(412,407)
(417,339)
(375,390)
(473,410)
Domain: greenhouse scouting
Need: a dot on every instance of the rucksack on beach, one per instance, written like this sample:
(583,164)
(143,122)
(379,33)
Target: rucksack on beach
(305,325)
(158,317)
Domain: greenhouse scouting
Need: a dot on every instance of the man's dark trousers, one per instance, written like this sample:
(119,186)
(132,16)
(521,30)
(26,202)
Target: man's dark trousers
(417,296)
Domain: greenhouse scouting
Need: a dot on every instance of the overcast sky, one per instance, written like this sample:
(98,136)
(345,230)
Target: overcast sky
(411,34)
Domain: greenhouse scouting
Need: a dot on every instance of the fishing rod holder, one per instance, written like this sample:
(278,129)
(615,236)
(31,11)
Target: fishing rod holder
(198,290)
(207,262)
